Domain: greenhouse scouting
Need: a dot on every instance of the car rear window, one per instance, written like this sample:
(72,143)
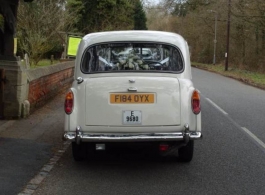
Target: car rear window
(122,57)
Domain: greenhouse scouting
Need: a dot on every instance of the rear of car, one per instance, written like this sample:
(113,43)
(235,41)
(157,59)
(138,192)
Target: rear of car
(121,94)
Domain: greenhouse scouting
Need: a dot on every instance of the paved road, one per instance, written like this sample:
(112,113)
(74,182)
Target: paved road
(229,159)
(226,161)
(26,145)
(242,103)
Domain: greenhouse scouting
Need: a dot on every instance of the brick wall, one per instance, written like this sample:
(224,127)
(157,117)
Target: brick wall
(45,83)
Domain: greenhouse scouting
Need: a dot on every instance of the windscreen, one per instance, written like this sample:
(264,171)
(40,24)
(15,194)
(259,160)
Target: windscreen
(122,57)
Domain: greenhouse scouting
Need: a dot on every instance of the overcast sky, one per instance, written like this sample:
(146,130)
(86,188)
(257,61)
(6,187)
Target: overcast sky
(152,1)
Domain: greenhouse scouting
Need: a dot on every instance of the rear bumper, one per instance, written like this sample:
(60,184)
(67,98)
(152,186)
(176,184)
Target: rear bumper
(79,136)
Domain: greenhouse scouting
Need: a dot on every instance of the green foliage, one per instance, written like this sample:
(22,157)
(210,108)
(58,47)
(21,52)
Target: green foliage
(39,27)
(45,62)
(182,7)
(78,7)
(104,15)
(198,21)
(195,4)
(139,16)
(41,23)
(253,78)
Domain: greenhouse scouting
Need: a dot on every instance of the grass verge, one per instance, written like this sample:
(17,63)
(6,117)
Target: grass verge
(42,63)
(45,62)
(251,78)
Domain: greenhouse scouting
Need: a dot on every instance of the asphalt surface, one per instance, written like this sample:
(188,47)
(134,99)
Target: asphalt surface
(228,160)
(26,145)
(244,104)
(225,162)
(20,161)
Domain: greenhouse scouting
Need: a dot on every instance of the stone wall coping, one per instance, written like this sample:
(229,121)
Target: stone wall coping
(37,73)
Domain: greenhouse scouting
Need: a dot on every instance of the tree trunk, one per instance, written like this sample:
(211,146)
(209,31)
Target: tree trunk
(257,39)
(263,41)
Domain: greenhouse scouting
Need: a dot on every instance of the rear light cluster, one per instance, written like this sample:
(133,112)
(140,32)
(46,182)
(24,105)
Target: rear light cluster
(163,147)
(195,102)
(69,102)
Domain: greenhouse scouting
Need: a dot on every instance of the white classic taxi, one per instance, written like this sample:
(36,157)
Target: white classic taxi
(122,93)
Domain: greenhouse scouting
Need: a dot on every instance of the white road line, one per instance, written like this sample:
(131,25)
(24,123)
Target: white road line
(216,106)
(254,137)
(251,135)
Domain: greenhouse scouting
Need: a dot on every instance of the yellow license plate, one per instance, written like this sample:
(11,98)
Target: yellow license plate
(132,98)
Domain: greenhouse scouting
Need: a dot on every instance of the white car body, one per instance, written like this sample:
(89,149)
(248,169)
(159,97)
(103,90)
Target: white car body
(103,109)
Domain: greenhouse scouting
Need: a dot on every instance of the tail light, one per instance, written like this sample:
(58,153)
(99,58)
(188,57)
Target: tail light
(163,147)
(69,102)
(195,102)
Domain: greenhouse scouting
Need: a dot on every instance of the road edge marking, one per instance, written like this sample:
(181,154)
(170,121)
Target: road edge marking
(34,183)
(253,136)
(247,132)
(216,106)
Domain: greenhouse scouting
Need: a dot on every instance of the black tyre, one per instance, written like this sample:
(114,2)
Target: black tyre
(78,151)
(185,153)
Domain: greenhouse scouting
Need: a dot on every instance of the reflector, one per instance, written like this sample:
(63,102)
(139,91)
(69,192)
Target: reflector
(195,102)
(69,102)
(163,147)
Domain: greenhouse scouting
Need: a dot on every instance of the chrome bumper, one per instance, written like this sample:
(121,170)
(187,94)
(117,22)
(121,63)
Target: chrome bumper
(79,136)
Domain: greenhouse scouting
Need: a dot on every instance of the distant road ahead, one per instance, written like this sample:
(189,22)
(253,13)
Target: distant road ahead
(243,104)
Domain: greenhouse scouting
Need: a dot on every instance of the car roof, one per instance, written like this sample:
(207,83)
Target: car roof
(132,35)
(135,36)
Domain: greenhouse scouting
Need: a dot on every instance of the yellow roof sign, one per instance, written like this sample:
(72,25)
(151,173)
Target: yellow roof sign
(72,47)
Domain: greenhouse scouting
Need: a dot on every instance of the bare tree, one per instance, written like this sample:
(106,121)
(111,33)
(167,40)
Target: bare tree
(195,21)
(39,24)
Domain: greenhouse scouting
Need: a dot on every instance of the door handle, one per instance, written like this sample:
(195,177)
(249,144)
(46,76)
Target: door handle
(132,89)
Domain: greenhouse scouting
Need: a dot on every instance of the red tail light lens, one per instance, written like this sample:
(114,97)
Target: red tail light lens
(69,102)
(163,147)
(195,102)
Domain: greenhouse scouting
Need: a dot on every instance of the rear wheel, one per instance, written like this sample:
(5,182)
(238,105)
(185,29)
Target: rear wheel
(78,151)
(185,153)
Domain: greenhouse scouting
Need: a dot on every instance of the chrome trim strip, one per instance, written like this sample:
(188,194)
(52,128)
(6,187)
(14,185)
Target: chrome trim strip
(132,89)
(78,135)
(186,133)
(92,137)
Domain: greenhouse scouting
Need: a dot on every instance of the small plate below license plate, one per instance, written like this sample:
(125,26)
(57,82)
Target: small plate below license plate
(132,117)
